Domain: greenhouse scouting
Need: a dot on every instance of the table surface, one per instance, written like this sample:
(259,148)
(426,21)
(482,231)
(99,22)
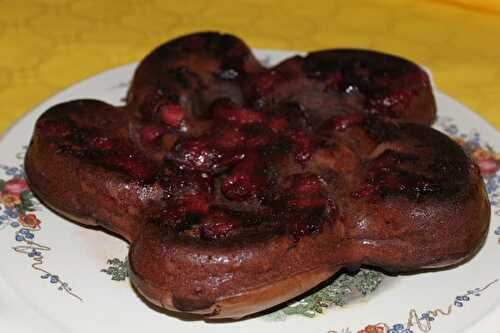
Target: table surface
(48,45)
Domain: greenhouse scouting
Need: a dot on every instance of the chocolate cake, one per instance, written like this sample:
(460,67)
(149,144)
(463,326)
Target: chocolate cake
(240,187)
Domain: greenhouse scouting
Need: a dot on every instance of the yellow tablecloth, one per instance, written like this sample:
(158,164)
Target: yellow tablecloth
(46,45)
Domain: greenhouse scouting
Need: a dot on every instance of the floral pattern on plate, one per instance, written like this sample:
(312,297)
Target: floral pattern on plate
(421,323)
(17,213)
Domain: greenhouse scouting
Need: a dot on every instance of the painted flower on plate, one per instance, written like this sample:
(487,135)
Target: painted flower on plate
(10,200)
(29,220)
(372,329)
(15,186)
(488,161)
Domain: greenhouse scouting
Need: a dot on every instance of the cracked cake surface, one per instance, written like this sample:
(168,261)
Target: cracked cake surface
(240,187)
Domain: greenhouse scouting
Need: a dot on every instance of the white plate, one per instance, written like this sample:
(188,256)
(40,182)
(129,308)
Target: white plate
(60,287)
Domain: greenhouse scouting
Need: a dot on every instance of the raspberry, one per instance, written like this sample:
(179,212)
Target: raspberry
(171,114)
(225,110)
(244,180)
(133,165)
(100,143)
(230,139)
(303,146)
(278,124)
(342,123)
(216,225)
(306,184)
(151,133)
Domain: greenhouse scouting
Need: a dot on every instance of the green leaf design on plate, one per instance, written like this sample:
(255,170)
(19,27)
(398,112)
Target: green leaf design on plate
(117,268)
(339,292)
(27,204)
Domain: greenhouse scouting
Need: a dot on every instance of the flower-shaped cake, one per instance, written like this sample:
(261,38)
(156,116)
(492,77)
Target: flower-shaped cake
(240,187)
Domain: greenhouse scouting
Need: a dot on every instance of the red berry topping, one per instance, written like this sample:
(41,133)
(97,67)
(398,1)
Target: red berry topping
(245,180)
(261,138)
(100,143)
(131,164)
(387,175)
(230,138)
(278,124)
(216,225)
(225,110)
(306,184)
(303,146)
(191,191)
(151,133)
(342,123)
(195,154)
(171,114)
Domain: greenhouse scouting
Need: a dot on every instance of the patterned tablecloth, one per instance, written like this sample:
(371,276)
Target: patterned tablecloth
(47,45)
